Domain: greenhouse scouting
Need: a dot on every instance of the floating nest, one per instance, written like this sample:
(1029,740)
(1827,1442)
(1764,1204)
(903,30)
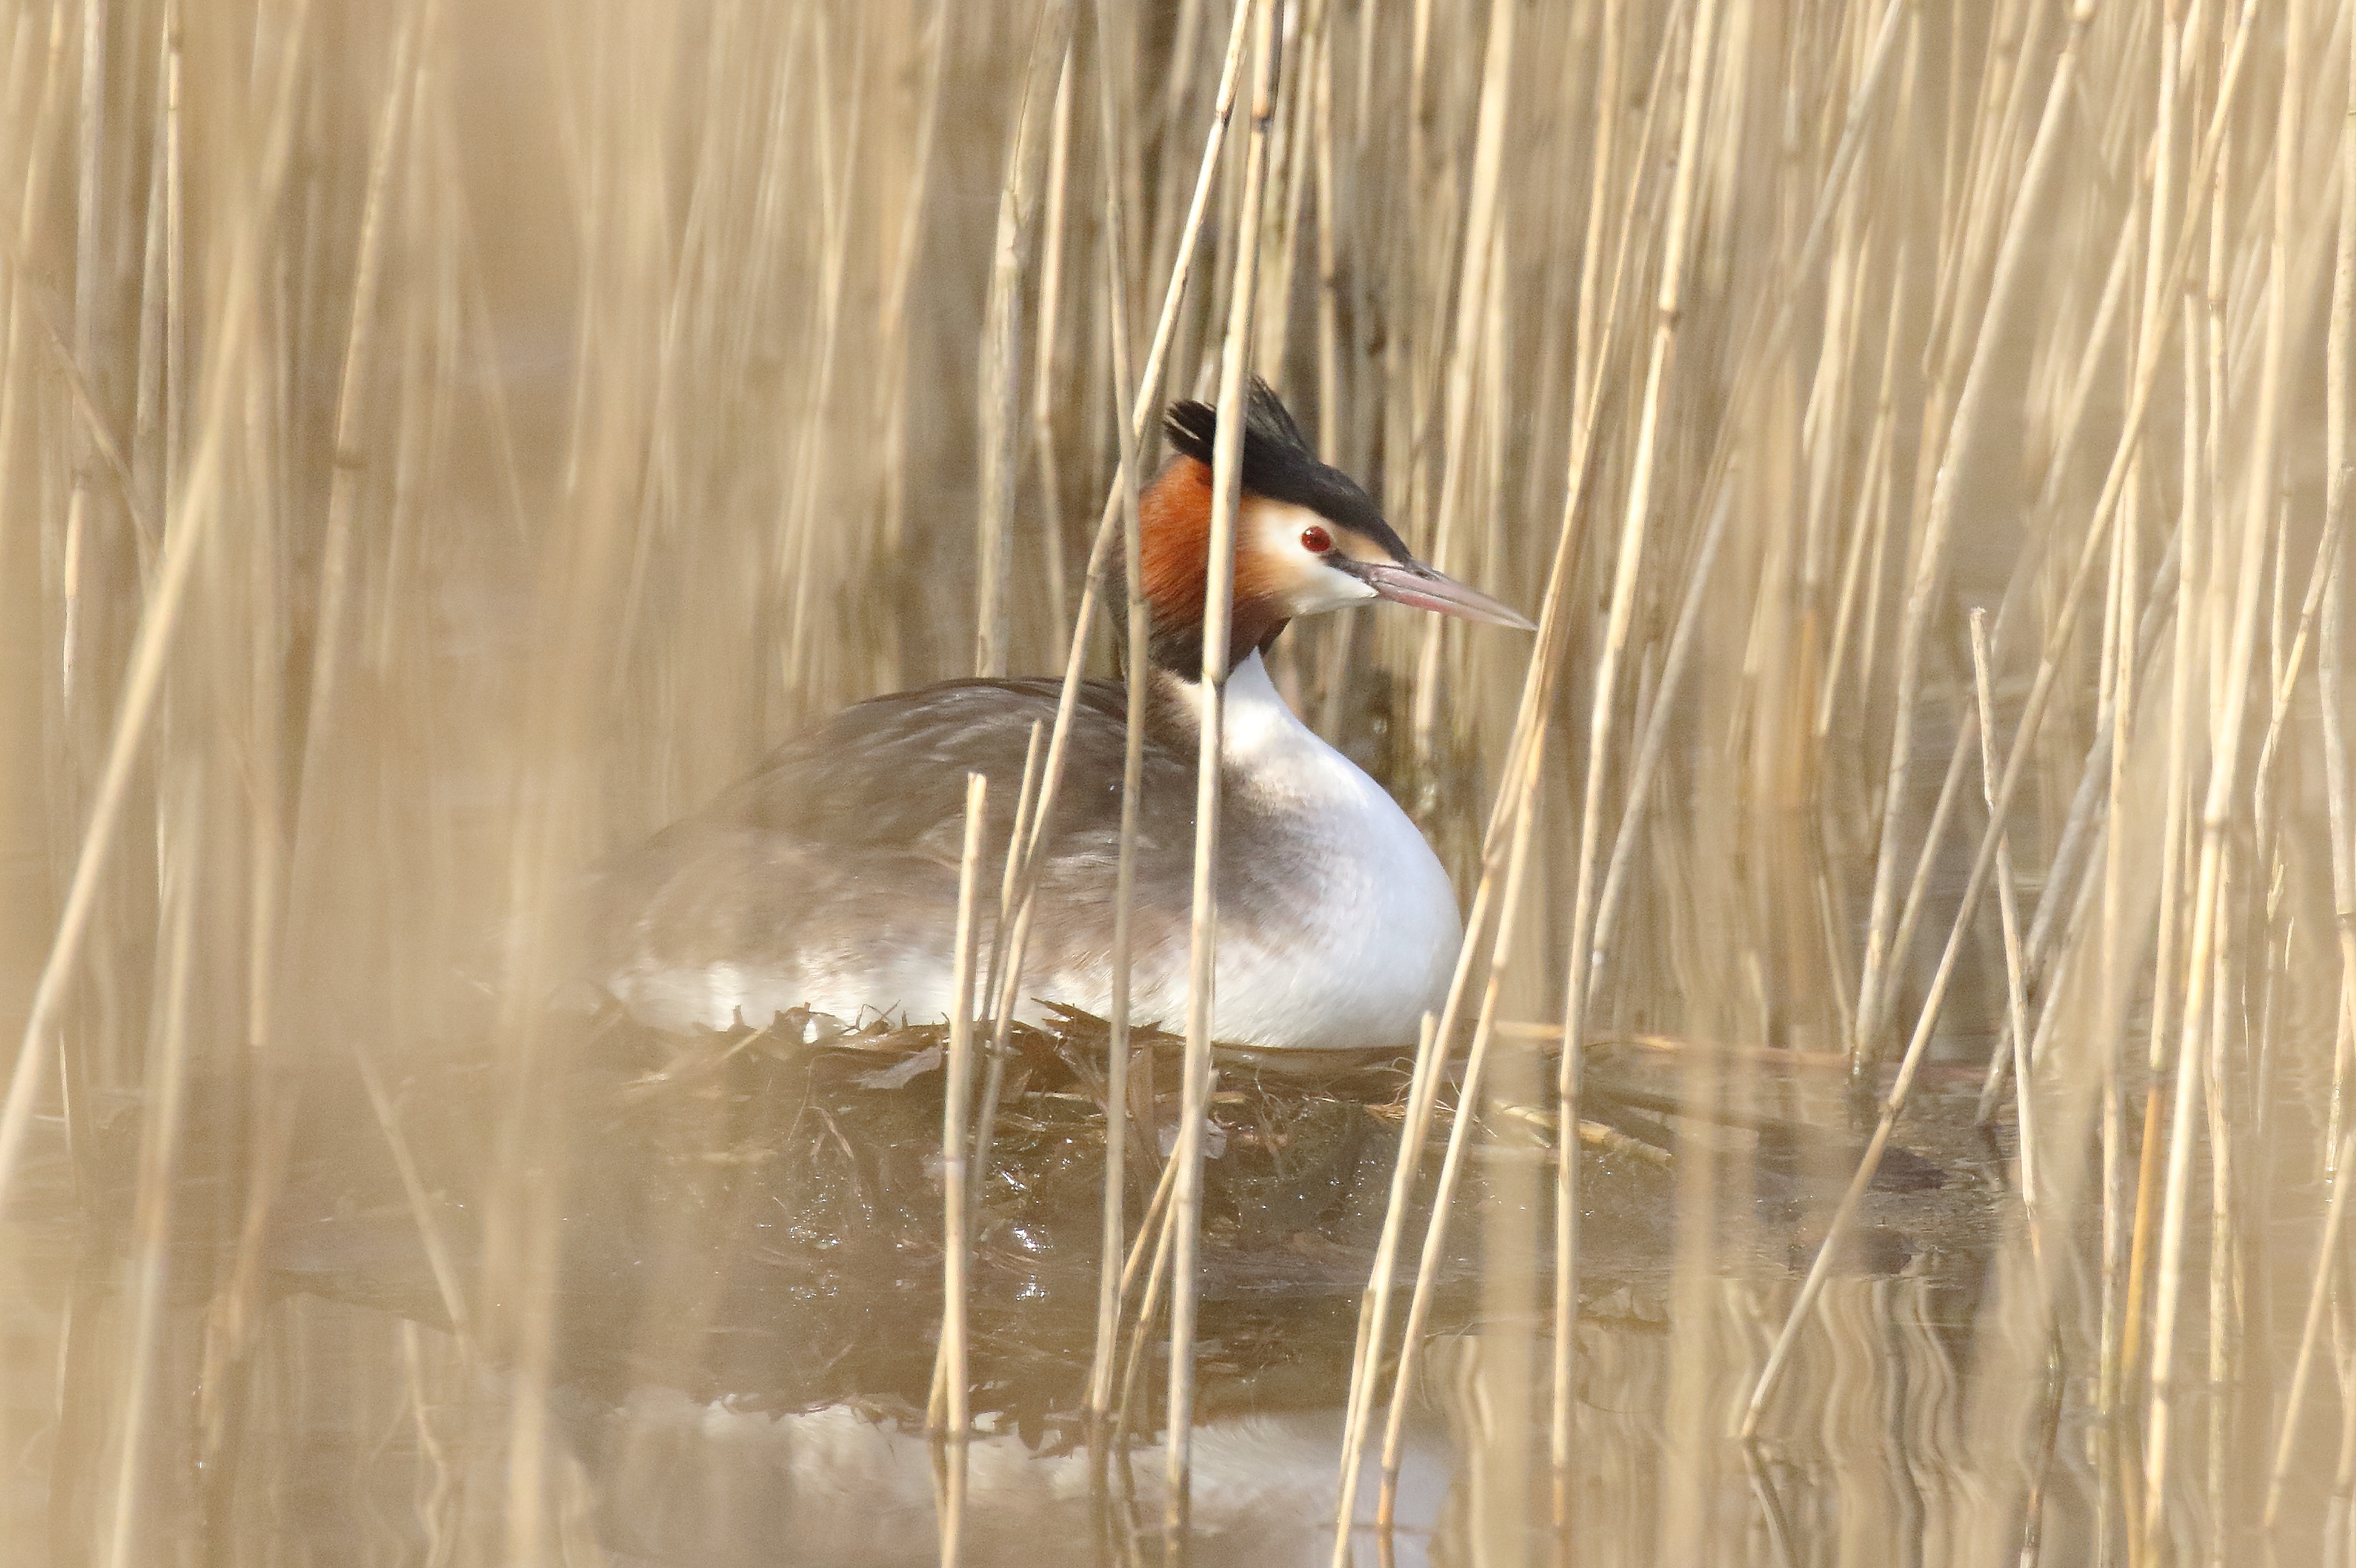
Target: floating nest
(756,1217)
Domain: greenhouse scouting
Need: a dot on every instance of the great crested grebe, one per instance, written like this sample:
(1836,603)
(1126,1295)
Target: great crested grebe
(828,880)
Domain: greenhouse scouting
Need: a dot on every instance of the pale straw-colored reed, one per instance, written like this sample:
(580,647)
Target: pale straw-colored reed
(441,444)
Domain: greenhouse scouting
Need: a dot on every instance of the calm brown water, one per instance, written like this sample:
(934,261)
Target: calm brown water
(746,1296)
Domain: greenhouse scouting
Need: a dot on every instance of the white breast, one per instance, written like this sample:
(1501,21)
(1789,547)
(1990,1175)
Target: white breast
(1363,943)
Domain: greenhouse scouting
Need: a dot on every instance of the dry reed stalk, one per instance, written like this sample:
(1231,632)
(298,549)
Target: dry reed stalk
(421,1204)
(1931,550)
(2336,1532)
(1335,444)
(1665,317)
(1884,506)
(1173,297)
(184,530)
(2062,867)
(1385,352)
(1045,382)
(1409,260)
(1825,420)
(1628,559)
(2121,1338)
(2225,1260)
(1178,83)
(1374,1313)
(1287,186)
(93,430)
(1481,257)
(1654,744)
(1009,935)
(837,166)
(1827,203)
(1156,1232)
(1227,483)
(1869,529)
(2114,1339)
(999,388)
(892,307)
(2110,1029)
(2008,904)
(1557,229)
(1151,1234)
(1934,835)
(1543,674)
(302,851)
(1435,1239)
(2292,659)
(956,1419)
(2111,1370)
(1971,247)
(2205,954)
(1769,334)
(1585,383)
(1154,1237)
(2330,658)
(1330,415)
(1467,1115)
(1110,1285)
(1508,822)
(160,1135)
(625,356)
(1510,807)
(2083,822)
(2033,712)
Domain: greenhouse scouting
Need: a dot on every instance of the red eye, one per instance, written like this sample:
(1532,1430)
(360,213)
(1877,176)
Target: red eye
(1315,539)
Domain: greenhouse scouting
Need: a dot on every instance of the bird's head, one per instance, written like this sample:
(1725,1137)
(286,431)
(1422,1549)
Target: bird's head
(1307,539)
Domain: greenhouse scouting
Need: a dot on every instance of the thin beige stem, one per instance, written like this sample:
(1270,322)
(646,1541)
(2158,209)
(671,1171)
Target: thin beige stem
(1002,984)
(1655,743)
(2032,712)
(2005,293)
(1113,1240)
(420,1201)
(1871,525)
(1100,557)
(1468,1103)
(190,523)
(2204,953)
(956,1222)
(160,1135)
(2311,1329)
(1483,258)
(2015,996)
(999,391)
(1227,482)
(891,308)
(1045,381)
(1374,1317)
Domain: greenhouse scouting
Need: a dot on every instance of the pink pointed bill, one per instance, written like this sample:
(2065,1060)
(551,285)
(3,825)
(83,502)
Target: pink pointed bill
(1419,585)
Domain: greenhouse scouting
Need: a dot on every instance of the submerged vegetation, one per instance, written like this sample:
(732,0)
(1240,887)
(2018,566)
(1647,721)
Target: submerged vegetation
(441,443)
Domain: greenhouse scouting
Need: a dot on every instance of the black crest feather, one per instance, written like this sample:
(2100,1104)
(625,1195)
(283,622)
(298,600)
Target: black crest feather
(1280,465)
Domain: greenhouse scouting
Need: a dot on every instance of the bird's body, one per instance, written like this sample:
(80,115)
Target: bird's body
(828,881)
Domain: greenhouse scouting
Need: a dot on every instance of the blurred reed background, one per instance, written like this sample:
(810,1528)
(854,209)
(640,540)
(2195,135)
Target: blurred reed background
(440,443)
